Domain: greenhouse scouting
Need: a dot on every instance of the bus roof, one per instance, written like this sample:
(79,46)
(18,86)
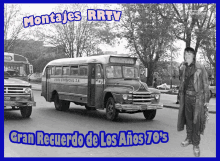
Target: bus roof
(12,57)
(103,59)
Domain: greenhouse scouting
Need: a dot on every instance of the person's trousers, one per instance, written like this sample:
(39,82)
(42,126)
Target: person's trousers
(192,134)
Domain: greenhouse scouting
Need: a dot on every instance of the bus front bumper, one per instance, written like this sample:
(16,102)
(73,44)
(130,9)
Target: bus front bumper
(19,103)
(135,107)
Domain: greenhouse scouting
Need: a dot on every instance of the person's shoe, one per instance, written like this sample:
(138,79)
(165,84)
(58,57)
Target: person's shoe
(196,150)
(186,143)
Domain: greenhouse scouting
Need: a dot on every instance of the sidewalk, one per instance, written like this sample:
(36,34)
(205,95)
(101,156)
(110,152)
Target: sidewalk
(167,103)
(172,104)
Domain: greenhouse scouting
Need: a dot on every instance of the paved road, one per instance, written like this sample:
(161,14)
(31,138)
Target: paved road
(47,119)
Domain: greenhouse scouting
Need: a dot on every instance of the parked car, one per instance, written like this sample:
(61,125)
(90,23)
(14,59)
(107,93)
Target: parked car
(212,90)
(163,86)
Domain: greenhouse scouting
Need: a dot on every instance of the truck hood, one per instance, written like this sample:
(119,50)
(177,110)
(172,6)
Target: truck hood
(14,81)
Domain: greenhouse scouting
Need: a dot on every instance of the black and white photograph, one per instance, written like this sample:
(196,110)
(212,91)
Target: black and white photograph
(110,80)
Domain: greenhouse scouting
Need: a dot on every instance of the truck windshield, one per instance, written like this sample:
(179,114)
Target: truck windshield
(121,72)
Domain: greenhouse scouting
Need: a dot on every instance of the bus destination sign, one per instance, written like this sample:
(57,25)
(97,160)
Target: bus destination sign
(7,58)
(122,60)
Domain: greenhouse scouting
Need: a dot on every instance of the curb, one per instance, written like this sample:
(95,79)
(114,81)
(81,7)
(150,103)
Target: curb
(173,107)
(35,89)
(169,93)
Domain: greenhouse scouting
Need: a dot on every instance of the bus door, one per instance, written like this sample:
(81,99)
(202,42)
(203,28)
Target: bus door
(95,85)
(99,86)
(91,85)
(48,72)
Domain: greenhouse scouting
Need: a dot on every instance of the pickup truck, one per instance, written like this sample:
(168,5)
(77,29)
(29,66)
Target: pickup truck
(18,95)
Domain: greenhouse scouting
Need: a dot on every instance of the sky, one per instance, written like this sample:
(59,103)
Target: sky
(42,9)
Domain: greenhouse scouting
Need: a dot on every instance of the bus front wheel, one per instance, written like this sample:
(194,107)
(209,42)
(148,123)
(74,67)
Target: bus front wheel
(61,105)
(111,112)
(149,114)
(26,111)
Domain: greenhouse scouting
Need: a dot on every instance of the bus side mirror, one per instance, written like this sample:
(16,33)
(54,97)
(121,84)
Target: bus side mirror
(146,72)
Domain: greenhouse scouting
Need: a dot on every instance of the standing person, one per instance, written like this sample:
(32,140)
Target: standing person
(194,98)
(155,83)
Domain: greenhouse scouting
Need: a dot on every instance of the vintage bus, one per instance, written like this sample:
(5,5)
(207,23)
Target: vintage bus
(108,82)
(17,65)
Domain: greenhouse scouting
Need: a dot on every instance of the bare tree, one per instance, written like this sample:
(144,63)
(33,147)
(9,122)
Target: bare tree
(12,25)
(209,50)
(76,38)
(147,33)
(190,21)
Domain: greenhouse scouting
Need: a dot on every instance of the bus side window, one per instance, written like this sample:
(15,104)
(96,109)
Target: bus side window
(98,71)
(48,71)
(83,70)
(53,71)
(66,70)
(74,70)
(58,70)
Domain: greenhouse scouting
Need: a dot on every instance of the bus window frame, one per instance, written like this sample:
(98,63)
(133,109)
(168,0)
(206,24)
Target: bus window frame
(138,74)
(113,65)
(63,70)
(72,75)
(127,65)
(83,65)
(52,70)
(101,71)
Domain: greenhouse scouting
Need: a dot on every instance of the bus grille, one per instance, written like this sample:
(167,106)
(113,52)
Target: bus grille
(141,97)
(13,90)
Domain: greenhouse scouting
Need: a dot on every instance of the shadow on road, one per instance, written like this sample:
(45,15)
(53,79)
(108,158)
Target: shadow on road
(14,115)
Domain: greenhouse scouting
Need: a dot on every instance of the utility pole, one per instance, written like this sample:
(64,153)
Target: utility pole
(171,67)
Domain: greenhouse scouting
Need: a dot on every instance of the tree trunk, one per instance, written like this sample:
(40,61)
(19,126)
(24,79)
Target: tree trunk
(188,40)
(215,75)
(150,76)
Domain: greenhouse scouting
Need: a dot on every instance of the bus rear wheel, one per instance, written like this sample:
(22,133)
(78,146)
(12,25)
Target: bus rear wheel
(111,112)
(26,111)
(149,114)
(61,105)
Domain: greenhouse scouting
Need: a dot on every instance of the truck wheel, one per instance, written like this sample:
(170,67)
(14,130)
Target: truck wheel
(26,111)
(149,114)
(111,112)
(90,108)
(61,105)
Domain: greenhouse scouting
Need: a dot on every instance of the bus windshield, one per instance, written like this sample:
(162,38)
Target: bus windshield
(16,65)
(121,72)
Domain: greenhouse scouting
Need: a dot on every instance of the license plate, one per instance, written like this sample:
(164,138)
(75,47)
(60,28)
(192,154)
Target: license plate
(7,98)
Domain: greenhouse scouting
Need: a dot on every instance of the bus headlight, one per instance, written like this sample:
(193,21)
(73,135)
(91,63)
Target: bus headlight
(27,90)
(157,96)
(125,96)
